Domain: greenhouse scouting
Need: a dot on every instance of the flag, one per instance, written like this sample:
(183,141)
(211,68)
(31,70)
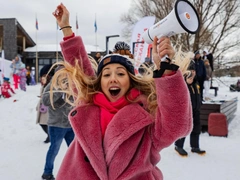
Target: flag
(95,25)
(36,24)
(57,25)
(76,22)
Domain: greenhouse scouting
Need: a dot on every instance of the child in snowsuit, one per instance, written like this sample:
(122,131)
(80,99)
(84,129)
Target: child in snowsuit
(22,75)
(6,88)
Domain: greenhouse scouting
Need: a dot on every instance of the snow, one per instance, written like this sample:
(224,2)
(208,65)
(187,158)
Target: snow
(22,151)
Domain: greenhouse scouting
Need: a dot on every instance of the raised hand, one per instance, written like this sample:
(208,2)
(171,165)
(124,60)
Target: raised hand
(160,48)
(62,16)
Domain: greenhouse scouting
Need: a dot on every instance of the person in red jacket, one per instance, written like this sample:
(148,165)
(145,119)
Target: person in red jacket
(121,121)
(5,87)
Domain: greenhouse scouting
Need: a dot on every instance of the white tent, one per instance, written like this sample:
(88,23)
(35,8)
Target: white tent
(5,68)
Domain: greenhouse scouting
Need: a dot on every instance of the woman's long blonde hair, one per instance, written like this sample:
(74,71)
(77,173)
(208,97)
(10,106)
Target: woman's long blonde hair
(82,87)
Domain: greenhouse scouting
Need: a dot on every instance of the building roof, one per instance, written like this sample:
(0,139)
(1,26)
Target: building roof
(55,47)
(22,32)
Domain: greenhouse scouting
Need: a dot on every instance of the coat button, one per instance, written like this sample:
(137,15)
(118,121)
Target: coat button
(86,159)
(73,113)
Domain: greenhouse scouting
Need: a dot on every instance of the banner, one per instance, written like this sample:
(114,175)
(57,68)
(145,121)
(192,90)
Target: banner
(140,48)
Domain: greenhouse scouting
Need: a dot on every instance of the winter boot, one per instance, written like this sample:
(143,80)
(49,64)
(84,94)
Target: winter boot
(47,140)
(48,177)
(181,151)
(198,151)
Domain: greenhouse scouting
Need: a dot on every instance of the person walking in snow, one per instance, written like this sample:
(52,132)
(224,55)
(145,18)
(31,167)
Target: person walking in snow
(59,127)
(46,74)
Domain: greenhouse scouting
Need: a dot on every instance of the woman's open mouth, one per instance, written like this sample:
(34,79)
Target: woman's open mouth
(114,91)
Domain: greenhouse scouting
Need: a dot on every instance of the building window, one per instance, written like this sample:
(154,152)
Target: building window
(54,60)
(44,61)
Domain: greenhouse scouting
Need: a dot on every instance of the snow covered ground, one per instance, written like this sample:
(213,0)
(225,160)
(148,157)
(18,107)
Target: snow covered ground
(22,151)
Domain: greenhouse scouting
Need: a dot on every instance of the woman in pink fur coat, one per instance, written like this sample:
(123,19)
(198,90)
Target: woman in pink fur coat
(121,120)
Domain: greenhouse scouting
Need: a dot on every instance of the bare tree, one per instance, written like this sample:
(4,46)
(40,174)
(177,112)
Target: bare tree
(219,23)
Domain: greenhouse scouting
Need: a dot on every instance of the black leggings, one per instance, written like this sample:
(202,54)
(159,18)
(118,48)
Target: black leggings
(194,136)
(45,128)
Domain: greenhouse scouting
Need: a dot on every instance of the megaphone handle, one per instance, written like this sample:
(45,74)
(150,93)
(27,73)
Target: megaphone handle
(164,59)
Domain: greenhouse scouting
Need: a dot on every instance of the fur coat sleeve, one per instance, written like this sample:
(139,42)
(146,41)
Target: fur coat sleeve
(73,49)
(173,120)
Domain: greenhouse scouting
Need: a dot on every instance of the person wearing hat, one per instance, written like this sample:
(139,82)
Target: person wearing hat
(121,121)
(200,71)
(22,77)
(5,88)
(194,90)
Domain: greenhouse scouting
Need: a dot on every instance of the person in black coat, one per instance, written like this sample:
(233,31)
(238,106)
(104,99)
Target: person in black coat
(194,91)
(200,71)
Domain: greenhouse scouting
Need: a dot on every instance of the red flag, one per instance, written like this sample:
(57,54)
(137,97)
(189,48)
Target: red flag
(36,24)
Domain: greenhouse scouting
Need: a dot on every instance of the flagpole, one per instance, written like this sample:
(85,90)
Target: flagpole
(76,24)
(36,65)
(57,43)
(96,30)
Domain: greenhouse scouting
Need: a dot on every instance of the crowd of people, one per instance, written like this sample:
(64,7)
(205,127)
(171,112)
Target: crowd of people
(21,77)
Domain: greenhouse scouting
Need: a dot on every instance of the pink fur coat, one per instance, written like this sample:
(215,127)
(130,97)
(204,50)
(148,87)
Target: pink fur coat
(133,139)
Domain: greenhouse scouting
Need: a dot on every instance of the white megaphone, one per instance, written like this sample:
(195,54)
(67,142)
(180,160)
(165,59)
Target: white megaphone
(183,18)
